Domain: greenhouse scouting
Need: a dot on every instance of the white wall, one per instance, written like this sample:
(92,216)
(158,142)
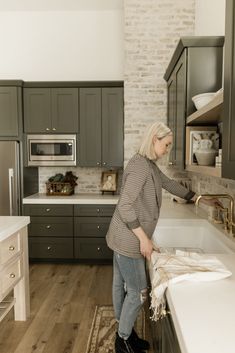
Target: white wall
(210,17)
(61,45)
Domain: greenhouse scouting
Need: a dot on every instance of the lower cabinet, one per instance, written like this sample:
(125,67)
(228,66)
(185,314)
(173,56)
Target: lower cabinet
(69,232)
(90,227)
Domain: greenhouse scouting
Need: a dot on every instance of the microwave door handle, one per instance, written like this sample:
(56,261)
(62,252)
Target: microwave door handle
(10,181)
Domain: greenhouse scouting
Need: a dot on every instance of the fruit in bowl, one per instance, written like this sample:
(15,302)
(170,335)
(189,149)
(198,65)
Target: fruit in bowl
(202,99)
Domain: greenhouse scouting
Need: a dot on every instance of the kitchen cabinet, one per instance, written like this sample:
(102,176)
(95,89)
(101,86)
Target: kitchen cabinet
(50,231)
(90,227)
(50,110)
(14,269)
(101,127)
(10,111)
(228,140)
(195,67)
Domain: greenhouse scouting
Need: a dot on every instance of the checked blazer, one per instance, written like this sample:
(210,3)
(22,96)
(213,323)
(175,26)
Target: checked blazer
(139,204)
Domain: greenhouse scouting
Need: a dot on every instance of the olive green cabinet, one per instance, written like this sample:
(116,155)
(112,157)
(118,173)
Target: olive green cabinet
(101,127)
(228,138)
(50,110)
(50,231)
(91,224)
(195,67)
(10,111)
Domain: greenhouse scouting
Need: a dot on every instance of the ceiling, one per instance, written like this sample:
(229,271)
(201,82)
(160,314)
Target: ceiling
(60,5)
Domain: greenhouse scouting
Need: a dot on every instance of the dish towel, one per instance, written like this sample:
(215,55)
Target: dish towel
(181,266)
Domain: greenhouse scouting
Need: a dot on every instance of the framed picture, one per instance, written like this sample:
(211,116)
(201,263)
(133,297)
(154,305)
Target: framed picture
(109,181)
(194,134)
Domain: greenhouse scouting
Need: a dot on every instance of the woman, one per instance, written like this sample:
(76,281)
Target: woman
(131,229)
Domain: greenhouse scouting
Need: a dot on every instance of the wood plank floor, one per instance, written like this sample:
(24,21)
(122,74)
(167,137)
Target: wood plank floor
(63,300)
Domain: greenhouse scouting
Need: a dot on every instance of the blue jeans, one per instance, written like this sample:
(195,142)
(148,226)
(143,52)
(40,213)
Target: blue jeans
(129,291)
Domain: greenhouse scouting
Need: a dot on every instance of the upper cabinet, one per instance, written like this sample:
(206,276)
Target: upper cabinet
(228,141)
(101,127)
(10,111)
(195,67)
(51,110)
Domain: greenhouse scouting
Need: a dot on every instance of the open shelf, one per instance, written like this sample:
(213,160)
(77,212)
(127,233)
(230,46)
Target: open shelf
(5,307)
(212,171)
(209,114)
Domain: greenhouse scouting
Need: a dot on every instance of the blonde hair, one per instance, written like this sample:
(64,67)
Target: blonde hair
(160,130)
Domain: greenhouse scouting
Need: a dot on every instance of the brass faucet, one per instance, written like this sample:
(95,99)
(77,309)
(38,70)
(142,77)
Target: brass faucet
(228,221)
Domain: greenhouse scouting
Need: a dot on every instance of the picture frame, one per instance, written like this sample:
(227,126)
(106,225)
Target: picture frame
(109,181)
(193,136)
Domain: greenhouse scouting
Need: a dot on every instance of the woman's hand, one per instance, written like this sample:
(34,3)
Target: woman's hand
(146,247)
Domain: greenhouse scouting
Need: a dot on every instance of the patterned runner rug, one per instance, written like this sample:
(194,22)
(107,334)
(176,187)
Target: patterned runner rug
(103,330)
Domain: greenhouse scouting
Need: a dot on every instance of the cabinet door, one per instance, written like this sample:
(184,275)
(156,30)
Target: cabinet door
(228,159)
(37,110)
(176,111)
(112,127)
(90,127)
(8,111)
(64,109)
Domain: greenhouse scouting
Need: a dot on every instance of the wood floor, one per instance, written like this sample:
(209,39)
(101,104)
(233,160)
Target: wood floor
(63,299)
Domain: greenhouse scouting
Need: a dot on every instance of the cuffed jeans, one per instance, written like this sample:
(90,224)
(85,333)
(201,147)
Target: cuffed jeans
(129,291)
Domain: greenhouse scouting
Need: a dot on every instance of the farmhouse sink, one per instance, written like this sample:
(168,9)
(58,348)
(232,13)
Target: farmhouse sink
(192,235)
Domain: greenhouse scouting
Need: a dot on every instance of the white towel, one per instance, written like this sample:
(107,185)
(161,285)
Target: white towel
(181,266)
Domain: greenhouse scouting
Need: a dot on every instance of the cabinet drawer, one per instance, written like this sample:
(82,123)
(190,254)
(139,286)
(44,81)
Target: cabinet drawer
(51,226)
(50,248)
(48,210)
(9,247)
(94,210)
(91,226)
(92,249)
(10,275)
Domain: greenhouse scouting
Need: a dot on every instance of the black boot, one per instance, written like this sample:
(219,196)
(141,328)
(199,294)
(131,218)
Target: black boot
(125,346)
(137,342)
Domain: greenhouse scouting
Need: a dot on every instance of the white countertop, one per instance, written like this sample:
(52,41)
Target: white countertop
(72,199)
(204,313)
(11,224)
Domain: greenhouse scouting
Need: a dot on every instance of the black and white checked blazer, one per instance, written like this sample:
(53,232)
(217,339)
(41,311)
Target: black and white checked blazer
(139,204)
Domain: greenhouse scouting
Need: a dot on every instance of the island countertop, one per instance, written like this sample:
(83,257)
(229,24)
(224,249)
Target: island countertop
(11,224)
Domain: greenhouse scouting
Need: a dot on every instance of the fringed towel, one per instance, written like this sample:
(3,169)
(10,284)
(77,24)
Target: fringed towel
(181,266)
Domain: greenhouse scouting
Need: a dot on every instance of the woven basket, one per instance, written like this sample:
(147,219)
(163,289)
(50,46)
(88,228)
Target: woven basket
(59,189)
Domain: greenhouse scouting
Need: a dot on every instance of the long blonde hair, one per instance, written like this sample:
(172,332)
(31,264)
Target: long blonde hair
(158,129)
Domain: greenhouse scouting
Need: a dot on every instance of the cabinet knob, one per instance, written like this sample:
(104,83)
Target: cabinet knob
(12,275)
(47,129)
(98,249)
(54,129)
(48,226)
(171,163)
(49,248)
(104,163)
(11,248)
(98,227)
(98,163)
(48,209)
(98,210)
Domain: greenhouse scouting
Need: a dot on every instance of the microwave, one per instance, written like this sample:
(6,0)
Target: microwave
(51,150)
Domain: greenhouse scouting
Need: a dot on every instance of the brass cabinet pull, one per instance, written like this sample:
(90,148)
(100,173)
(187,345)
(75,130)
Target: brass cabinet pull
(104,163)
(98,248)
(98,227)
(54,129)
(47,129)
(98,210)
(48,209)
(48,226)
(12,275)
(11,248)
(98,163)
(49,248)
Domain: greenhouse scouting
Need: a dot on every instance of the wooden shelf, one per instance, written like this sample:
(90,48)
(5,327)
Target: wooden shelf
(206,170)
(209,114)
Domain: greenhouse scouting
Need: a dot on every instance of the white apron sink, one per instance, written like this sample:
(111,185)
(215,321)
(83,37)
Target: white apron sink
(192,235)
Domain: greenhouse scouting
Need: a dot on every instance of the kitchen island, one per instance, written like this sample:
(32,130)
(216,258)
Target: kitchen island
(14,268)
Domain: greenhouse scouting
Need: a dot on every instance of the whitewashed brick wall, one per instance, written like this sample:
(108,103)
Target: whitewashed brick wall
(152,30)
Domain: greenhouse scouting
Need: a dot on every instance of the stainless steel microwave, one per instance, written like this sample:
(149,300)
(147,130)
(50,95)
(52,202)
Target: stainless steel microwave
(51,150)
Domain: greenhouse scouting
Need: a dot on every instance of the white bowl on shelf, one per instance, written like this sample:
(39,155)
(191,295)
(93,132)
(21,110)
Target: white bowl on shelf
(202,99)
